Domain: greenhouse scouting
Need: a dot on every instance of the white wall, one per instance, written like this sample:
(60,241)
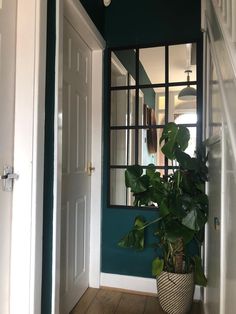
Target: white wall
(221,127)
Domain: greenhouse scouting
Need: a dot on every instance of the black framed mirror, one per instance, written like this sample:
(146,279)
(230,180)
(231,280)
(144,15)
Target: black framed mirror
(144,95)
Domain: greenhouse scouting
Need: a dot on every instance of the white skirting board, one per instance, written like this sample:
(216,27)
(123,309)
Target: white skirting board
(137,284)
(205,309)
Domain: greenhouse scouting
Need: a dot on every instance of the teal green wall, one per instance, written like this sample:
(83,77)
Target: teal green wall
(96,11)
(143,22)
(124,261)
(48,157)
(138,23)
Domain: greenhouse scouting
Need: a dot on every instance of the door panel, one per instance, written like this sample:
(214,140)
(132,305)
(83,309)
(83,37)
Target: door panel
(7,87)
(214,236)
(75,180)
(80,216)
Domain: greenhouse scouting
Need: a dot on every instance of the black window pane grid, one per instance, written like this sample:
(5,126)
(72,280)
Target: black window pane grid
(137,127)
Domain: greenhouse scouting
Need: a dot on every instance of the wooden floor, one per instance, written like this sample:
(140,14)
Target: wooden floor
(106,301)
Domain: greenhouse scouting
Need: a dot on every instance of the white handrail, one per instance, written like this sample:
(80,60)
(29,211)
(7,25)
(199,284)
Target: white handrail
(226,12)
(229,15)
(225,103)
(233,21)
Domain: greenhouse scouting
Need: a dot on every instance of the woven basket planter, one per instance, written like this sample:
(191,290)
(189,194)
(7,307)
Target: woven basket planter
(175,292)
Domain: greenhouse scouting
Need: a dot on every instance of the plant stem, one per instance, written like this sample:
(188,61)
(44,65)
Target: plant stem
(178,179)
(150,223)
(179,249)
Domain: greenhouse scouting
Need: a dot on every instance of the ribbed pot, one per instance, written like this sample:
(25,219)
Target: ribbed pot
(175,292)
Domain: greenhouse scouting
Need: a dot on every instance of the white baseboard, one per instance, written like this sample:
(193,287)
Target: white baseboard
(137,284)
(205,309)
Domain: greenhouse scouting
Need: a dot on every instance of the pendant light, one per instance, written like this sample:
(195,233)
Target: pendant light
(187,93)
(106,2)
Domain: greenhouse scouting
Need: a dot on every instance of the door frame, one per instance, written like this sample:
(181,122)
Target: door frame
(75,12)
(27,206)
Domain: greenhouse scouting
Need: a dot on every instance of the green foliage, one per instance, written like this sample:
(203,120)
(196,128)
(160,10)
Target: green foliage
(135,237)
(199,276)
(175,137)
(157,266)
(181,203)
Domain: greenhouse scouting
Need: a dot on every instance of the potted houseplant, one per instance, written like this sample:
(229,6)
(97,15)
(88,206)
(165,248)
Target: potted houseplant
(182,211)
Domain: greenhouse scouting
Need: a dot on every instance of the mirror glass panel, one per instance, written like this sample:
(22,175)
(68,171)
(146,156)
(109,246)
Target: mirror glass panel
(122,107)
(178,107)
(122,147)
(152,65)
(123,65)
(151,106)
(119,194)
(182,58)
(149,147)
(144,96)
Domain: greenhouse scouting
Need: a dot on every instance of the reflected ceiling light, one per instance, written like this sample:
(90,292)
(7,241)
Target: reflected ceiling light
(106,2)
(187,93)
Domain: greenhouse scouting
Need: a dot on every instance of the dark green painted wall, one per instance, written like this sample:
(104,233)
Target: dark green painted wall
(96,11)
(124,261)
(142,22)
(48,157)
(138,23)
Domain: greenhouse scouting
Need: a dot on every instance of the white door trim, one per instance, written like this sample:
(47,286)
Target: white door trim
(74,11)
(27,212)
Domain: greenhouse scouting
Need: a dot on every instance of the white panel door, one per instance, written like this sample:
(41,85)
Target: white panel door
(76,146)
(7,87)
(213,234)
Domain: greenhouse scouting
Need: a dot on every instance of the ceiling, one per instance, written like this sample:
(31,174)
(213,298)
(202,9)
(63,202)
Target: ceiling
(181,57)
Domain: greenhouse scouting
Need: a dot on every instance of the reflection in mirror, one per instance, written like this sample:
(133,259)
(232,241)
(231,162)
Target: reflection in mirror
(149,147)
(119,194)
(182,58)
(119,107)
(152,107)
(152,65)
(122,107)
(123,63)
(122,147)
(119,75)
(140,109)
(178,107)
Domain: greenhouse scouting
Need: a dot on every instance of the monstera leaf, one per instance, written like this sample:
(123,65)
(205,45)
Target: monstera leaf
(135,237)
(175,137)
(180,201)
(135,180)
(186,161)
(174,231)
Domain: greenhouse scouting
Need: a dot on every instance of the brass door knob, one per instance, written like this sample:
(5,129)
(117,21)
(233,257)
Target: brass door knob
(90,168)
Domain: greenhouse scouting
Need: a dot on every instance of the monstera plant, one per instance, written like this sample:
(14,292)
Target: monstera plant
(180,203)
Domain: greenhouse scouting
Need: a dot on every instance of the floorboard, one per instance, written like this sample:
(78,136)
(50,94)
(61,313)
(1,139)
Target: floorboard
(152,306)
(84,303)
(131,304)
(107,301)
